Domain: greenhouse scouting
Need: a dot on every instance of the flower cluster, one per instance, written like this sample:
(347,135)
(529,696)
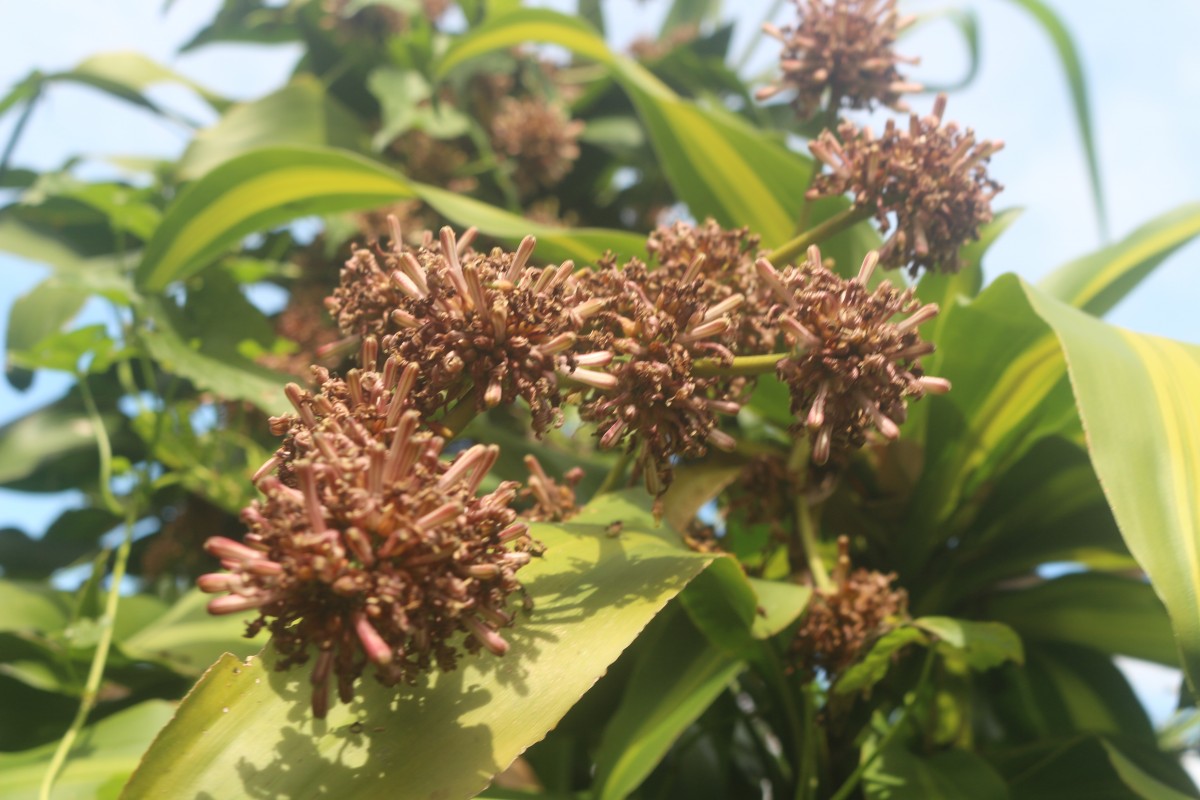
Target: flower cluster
(483,328)
(540,136)
(656,401)
(367,548)
(931,177)
(852,367)
(844,49)
(841,622)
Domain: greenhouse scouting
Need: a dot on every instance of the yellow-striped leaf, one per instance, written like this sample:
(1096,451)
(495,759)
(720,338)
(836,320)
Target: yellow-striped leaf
(1098,281)
(1138,396)
(273,186)
(717,165)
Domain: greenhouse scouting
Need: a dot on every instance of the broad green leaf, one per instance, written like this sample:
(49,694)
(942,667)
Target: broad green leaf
(697,484)
(1010,391)
(127,74)
(983,645)
(127,209)
(1098,281)
(33,607)
(875,664)
(716,165)
(1109,613)
(1072,66)
(1137,779)
(42,311)
(780,603)
(899,774)
(678,676)
(273,186)
(1137,396)
(404,99)
(300,113)
(246,726)
(229,374)
(102,759)
(188,638)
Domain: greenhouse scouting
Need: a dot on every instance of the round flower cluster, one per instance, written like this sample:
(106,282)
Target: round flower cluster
(852,367)
(841,623)
(841,49)
(932,178)
(540,136)
(367,548)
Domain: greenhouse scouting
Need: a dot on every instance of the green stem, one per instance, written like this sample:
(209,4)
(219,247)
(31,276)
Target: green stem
(457,418)
(808,540)
(742,365)
(806,783)
(100,658)
(846,788)
(819,233)
(612,481)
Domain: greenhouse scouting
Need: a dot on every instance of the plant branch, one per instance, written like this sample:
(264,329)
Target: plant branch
(808,540)
(457,418)
(846,788)
(613,479)
(819,233)
(742,365)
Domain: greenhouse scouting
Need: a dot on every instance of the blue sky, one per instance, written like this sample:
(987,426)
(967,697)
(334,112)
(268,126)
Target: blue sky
(1144,81)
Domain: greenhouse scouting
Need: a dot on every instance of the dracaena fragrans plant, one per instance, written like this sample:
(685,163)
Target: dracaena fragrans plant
(603,447)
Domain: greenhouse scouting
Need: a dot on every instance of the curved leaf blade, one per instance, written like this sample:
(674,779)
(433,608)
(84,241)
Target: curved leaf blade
(1137,396)
(1072,65)
(244,722)
(1098,281)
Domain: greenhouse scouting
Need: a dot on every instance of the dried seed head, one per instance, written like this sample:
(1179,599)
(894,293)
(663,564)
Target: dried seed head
(652,399)
(467,319)
(727,269)
(931,177)
(551,501)
(540,136)
(374,550)
(852,368)
(841,49)
(841,624)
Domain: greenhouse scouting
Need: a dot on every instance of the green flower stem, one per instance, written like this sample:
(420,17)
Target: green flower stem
(612,481)
(742,365)
(818,233)
(100,658)
(458,418)
(846,788)
(808,540)
(806,781)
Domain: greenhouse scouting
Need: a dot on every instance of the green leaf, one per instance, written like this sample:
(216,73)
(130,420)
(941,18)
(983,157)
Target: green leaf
(1137,396)
(1083,768)
(127,74)
(300,113)
(899,774)
(210,366)
(875,664)
(404,97)
(33,607)
(1137,779)
(1072,67)
(188,638)
(44,310)
(1098,281)
(983,645)
(1109,613)
(717,164)
(101,760)
(678,676)
(246,726)
(273,186)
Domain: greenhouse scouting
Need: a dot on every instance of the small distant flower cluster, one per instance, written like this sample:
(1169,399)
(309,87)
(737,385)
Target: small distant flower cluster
(367,548)
(842,622)
(839,55)
(540,137)
(931,177)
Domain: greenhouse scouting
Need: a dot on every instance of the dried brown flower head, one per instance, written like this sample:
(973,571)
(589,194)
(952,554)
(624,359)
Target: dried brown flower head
(540,136)
(370,549)
(852,368)
(840,624)
(727,269)
(552,501)
(466,319)
(843,48)
(932,177)
(654,400)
